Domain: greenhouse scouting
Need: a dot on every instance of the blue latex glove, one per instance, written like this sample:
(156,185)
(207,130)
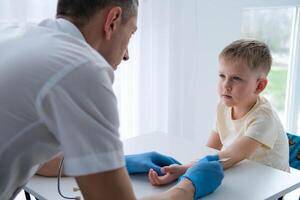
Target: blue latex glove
(206,175)
(141,163)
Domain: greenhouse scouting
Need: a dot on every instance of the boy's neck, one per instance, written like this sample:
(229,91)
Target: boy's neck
(237,112)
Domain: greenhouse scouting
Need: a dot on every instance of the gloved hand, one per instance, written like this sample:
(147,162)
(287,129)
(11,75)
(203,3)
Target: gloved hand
(206,175)
(141,163)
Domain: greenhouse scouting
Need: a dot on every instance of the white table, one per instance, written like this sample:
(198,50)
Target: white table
(247,180)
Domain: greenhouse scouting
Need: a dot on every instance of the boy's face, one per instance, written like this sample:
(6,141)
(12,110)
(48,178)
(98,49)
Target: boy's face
(238,85)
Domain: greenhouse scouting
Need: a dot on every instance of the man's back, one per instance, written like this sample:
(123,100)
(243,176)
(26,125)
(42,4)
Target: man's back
(33,58)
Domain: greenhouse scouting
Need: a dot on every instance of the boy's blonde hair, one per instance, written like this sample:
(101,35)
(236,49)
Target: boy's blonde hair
(255,54)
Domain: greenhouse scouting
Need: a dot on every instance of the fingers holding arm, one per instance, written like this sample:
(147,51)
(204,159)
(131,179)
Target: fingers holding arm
(206,176)
(174,171)
(161,160)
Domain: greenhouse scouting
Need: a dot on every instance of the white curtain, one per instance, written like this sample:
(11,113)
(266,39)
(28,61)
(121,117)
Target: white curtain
(24,11)
(169,84)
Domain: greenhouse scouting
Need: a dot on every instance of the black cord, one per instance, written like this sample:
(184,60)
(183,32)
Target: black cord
(58,182)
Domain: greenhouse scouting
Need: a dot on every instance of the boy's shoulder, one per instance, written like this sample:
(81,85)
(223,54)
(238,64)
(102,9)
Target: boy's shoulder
(264,111)
(263,106)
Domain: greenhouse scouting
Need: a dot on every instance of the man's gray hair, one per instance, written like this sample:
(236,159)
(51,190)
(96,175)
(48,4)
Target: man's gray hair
(83,10)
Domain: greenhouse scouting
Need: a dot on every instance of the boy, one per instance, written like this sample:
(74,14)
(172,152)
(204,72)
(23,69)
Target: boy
(246,127)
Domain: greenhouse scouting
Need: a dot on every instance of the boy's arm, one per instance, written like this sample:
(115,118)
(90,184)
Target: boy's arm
(241,149)
(214,141)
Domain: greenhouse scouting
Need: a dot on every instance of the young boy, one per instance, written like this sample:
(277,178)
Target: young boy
(246,126)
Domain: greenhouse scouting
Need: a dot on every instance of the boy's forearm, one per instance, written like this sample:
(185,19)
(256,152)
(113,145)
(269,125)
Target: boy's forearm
(241,149)
(183,190)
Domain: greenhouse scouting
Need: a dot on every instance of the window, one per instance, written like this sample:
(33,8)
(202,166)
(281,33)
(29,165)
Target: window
(278,27)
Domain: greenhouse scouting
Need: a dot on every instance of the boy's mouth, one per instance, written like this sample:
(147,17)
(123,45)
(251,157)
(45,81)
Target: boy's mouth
(226,96)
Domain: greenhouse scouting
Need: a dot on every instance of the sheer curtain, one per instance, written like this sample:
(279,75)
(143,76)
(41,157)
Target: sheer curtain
(24,11)
(169,84)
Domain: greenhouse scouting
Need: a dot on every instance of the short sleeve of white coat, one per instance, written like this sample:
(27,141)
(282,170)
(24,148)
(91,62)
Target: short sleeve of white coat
(80,109)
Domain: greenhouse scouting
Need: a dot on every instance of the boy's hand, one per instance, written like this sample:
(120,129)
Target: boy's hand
(172,173)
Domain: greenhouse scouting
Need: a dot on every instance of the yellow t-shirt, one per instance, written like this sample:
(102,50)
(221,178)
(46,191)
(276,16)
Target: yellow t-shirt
(262,124)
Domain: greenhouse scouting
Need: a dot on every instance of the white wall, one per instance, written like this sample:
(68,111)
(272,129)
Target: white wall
(219,25)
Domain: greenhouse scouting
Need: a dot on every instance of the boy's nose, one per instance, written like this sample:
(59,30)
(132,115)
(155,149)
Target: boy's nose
(228,89)
(227,86)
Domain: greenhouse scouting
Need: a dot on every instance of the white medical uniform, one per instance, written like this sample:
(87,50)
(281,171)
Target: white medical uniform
(55,95)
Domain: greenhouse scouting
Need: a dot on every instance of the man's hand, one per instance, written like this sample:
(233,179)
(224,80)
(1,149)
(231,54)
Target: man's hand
(142,163)
(206,175)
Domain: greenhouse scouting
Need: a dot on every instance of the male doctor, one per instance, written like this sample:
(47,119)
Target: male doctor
(56,96)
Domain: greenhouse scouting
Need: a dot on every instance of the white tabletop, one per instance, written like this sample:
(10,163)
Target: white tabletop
(247,180)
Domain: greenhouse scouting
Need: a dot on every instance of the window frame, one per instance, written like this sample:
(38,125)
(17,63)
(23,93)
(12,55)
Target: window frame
(292,98)
(291,115)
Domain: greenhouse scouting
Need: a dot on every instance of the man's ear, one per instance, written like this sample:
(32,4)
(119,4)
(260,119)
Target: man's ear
(262,83)
(112,20)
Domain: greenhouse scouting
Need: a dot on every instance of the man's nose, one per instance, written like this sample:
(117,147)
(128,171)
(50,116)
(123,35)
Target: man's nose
(126,55)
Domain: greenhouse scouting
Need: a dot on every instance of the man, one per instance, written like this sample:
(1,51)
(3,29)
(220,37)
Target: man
(56,96)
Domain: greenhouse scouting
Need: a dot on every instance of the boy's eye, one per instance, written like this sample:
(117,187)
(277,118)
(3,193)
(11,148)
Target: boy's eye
(236,78)
(222,76)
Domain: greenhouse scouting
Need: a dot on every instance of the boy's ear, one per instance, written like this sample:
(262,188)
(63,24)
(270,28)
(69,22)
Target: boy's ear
(262,83)
(112,20)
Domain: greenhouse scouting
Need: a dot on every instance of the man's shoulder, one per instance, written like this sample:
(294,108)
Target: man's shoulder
(64,49)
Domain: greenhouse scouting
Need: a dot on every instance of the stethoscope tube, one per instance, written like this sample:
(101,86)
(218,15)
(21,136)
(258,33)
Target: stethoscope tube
(58,182)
